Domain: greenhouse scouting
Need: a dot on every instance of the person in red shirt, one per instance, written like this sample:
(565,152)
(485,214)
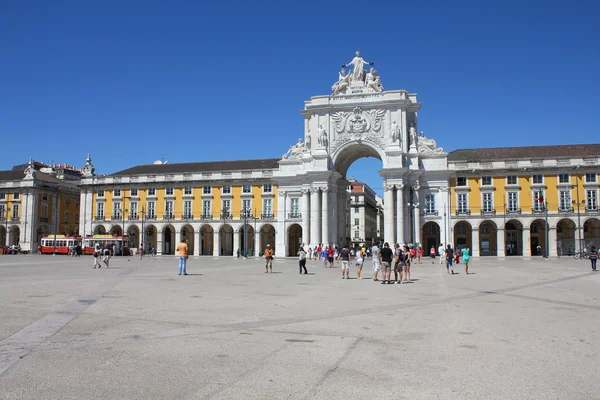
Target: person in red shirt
(330,253)
(420,254)
(319,250)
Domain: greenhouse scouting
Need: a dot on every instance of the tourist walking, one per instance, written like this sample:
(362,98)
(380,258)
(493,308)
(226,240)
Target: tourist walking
(386,254)
(376,260)
(449,259)
(302,261)
(465,258)
(182,252)
(268,259)
(420,254)
(106,258)
(330,256)
(593,257)
(97,258)
(323,256)
(398,263)
(141,251)
(360,259)
(346,257)
(432,254)
(309,253)
(407,260)
(441,253)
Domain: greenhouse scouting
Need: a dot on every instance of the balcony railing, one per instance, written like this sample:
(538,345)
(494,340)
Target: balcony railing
(99,218)
(151,217)
(566,210)
(187,217)
(267,216)
(43,219)
(226,215)
(488,212)
(294,215)
(206,216)
(592,210)
(116,218)
(15,219)
(168,217)
(246,213)
(463,212)
(133,217)
(513,211)
(430,213)
(538,210)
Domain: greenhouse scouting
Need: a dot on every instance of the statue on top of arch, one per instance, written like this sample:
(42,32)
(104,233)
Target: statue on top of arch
(358,77)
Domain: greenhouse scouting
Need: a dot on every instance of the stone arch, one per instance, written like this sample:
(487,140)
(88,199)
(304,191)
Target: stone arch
(591,233)
(134,236)
(150,238)
(351,151)
(267,236)
(294,242)
(463,235)
(168,240)
(566,230)
(246,246)
(99,230)
(226,240)
(488,238)
(116,230)
(187,234)
(513,237)
(3,237)
(537,232)
(14,235)
(206,239)
(430,236)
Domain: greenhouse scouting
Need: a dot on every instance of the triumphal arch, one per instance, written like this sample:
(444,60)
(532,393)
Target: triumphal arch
(361,119)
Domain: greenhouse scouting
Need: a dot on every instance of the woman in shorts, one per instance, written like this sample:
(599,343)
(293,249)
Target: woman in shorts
(465,258)
(407,257)
(420,254)
(360,260)
(432,254)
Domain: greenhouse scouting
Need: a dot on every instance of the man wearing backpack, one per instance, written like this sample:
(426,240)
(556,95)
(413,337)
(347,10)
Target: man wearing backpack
(398,262)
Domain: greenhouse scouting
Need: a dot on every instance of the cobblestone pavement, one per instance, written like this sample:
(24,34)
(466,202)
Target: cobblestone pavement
(514,329)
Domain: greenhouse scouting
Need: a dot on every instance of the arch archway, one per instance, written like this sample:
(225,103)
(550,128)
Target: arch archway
(246,246)
(168,244)
(294,239)
(267,236)
(187,234)
(226,240)
(591,233)
(150,238)
(14,235)
(116,230)
(99,230)
(347,154)
(207,240)
(134,237)
(537,231)
(463,233)
(3,236)
(565,237)
(488,239)
(430,236)
(513,238)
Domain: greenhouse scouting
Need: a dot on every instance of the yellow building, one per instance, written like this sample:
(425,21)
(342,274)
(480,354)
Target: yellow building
(499,199)
(218,208)
(34,204)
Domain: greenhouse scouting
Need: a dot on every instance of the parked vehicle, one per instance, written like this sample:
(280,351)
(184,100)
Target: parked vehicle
(15,249)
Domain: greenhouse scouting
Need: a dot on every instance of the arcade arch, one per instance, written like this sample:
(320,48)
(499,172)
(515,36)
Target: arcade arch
(187,234)
(565,237)
(246,246)
(226,240)
(150,238)
(463,234)
(267,236)
(14,235)
(513,237)
(134,237)
(294,239)
(488,238)
(168,240)
(591,233)
(430,236)
(206,240)
(99,230)
(537,231)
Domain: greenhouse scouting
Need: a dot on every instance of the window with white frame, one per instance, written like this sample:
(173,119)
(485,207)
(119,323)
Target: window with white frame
(133,207)
(295,205)
(169,191)
(151,209)
(267,188)
(3,196)
(356,234)
(16,195)
(100,210)
(206,190)
(563,178)
(511,180)
(116,210)
(169,209)
(247,206)
(429,204)
(226,189)
(538,179)
(151,191)
(564,198)
(15,211)
(537,206)
(3,211)
(100,193)
(226,207)
(117,192)
(357,221)
(267,207)
(246,189)
(206,209)
(44,196)
(591,200)
(488,202)
(461,181)
(486,181)
(513,201)
(590,177)
(461,205)
(187,209)
(187,190)
(133,192)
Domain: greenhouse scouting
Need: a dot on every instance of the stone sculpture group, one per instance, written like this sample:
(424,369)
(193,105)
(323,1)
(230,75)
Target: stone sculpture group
(357,77)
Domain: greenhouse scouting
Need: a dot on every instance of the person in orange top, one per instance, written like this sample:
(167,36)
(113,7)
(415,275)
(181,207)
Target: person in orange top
(182,251)
(268,259)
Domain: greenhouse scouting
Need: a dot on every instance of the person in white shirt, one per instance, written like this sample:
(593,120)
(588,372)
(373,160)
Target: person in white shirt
(442,253)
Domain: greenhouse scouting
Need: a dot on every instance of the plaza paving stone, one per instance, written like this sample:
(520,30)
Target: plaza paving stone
(516,328)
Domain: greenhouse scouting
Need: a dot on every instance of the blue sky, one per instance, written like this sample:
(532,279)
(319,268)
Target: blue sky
(129,81)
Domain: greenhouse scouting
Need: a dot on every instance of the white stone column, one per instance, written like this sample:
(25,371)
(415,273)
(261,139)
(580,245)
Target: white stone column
(305,217)
(526,241)
(255,245)
(280,231)
(236,242)
(501,243)
(177,239)
(333,221)
(325,216)
(315,222)
(159,241)
(552,242)
(400,214)
(388,212)
(197,242)
(217,243)
(30,221)
(417,211)
(475,241)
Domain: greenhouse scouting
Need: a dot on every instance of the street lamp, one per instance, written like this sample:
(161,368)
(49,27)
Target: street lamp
(414,206)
